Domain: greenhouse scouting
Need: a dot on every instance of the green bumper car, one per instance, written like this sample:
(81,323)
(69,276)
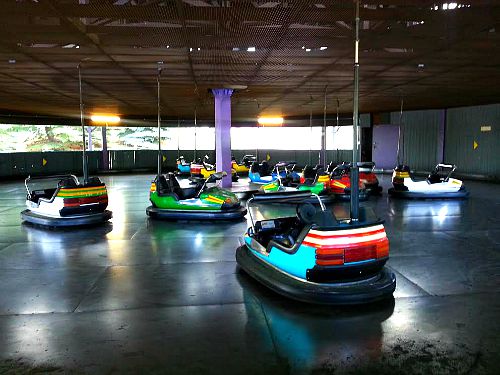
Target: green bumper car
(172,202)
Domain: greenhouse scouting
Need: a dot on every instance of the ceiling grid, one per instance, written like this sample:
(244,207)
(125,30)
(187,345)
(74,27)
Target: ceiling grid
(280,54)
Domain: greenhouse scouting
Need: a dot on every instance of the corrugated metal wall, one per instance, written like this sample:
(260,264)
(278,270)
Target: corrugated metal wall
(463,127)
(23,164)
(421,130)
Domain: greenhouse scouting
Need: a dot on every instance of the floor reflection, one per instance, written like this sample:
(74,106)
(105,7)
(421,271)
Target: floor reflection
(311,337)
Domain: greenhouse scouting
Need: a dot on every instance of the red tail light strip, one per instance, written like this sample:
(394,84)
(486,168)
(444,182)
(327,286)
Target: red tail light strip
(346,246)
(75,202)
(354,235)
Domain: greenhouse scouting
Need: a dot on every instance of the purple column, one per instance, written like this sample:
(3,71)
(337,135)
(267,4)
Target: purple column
(223,133)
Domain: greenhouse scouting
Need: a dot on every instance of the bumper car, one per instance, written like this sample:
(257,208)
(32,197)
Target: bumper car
(313,257)
(438,185)
(368,178)
(68,204)
(319,185)
(243,166)
(202,169)
(171,202)
(309,173)
(340,183)
(286,169)
(183,167)
(261,173)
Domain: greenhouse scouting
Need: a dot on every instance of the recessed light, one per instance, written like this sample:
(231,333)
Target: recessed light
(308,50)
(251,49)
(12,61)
(421,66)
(322,48)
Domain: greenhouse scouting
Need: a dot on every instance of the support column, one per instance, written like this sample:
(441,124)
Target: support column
(223,133)
(89,133)
(105,156)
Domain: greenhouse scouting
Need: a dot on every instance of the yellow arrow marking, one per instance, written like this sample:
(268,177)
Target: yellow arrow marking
(164,158)
(475,145)
(268,157)
(44,162)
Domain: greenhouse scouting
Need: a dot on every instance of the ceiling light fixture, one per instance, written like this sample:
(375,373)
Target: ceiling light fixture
(105,119)
(322,48)
(251,49)
(270,121)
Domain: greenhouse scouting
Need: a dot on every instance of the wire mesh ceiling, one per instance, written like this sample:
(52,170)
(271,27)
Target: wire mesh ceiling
(283,56)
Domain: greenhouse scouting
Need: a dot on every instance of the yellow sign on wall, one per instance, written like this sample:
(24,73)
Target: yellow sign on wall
(44,162)
(475,145)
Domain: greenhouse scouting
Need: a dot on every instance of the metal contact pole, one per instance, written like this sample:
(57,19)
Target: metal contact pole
(159,119)
(310,133)
(401,135)
(195,124)
(354,167)
(336,131)
(323,134)
(178,144)
(82,121)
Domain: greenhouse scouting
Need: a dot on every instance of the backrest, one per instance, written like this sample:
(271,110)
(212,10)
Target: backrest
(162,185)
(308,172)
(67,183)
(172,181)
(264,168)
(255,168)
(340,170)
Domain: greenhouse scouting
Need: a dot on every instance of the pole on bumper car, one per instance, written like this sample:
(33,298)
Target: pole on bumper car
(159,116)
(82,121)
(355,116)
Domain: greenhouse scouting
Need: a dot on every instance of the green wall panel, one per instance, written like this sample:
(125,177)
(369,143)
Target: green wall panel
(463,127)
(421,137)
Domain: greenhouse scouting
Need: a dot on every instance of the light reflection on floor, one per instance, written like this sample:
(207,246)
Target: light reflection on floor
(148,296)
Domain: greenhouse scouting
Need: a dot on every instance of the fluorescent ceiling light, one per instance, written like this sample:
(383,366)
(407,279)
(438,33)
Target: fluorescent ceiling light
(105,119)
(270,121)
(251,49)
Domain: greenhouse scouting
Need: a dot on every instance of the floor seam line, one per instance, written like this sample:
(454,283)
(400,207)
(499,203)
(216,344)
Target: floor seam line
(88,291)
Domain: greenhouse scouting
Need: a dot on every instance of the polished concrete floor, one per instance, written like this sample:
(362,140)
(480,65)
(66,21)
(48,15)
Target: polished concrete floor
(136,296)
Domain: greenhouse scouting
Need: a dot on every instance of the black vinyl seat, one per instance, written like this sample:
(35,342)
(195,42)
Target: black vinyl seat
(263,168)
(311,174)
(168,184)
(67,183)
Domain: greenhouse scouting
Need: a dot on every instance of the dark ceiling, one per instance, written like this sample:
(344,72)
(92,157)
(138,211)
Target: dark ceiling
(415,49)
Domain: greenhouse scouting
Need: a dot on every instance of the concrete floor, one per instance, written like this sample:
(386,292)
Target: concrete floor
(139,296)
